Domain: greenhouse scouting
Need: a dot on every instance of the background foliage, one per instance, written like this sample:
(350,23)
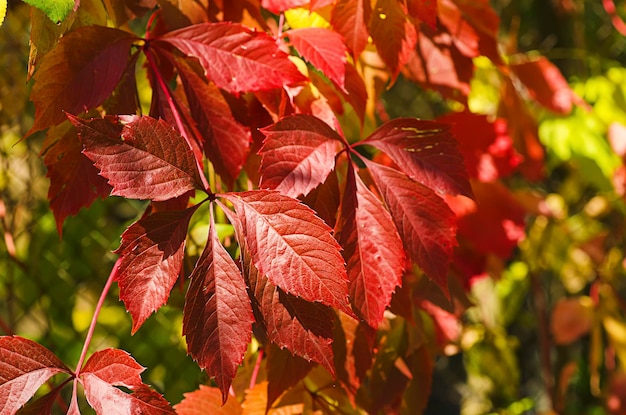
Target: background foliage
(543,326)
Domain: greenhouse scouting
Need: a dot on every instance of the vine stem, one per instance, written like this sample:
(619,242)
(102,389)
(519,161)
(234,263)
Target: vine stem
(94,319)
(255,371)
(175,113)
(544,337)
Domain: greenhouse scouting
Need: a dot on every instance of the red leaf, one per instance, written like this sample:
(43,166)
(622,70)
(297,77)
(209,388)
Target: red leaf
(304,328)
(438,64)
(24,367)
(424,10)
(236,58)
(545,84)
(107,399)
(495,223)
(426,152)
(324,49)
(284,370)
(207,400)
(114,366)
(79,82)
(150,161)
(278,6)
(226,140)
(486,147)
(298,154)
(425,223)
(325,198)
(108,368)
(372,249)
(151,257)
(473,25)
(571,319)
(354,351)
(392,33)
(355,91)
(74,181)
(292,247)
(349,19)
(218,316)
(42,405)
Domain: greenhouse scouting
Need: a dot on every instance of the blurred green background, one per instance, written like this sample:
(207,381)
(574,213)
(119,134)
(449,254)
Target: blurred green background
(571,258)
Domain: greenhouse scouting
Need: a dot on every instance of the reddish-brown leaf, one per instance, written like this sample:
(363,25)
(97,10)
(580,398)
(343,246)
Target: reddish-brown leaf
(74,180)
(355,91)
(302,327)
(393,34)
(284,370)
(217,316)
(372,249)
(571,318)
(424,10)
(107,399)
(279,6)
(298,154)
(114,366)
(425,223)
(486,147)
(325,199)
(149,161)
(354,351)
(438,64)
(207,400)
(236,58)
(151,257)
(545,84)
(474,25)
(292,247)
(350,19)
(24,367)
(426,152)
(324,49)
(226,141)
(87,65)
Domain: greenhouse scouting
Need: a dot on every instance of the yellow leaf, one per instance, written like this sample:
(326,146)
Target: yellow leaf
(3,10)
(300,17)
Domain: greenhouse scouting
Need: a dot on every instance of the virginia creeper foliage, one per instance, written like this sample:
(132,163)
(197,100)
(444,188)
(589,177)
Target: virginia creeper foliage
(245,126)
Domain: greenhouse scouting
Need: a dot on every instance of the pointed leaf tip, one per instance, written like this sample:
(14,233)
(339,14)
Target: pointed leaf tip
(151,258)
(218,315)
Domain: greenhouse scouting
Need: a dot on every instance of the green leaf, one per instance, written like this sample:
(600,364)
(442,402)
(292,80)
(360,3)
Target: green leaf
(56,10)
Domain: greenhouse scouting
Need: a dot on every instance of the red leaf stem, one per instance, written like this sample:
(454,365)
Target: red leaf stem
(176,114)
